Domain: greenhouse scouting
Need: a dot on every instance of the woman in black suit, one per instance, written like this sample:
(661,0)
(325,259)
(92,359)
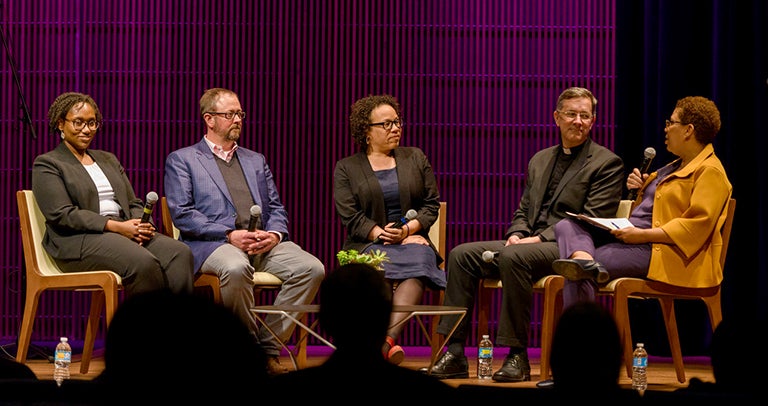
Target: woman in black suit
(374,189)
(92,214)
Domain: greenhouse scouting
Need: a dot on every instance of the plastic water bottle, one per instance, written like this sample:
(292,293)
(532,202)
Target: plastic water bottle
(61,360)
(485,358)
(639,367)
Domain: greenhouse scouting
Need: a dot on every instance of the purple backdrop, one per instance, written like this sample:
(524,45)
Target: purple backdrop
(477,81)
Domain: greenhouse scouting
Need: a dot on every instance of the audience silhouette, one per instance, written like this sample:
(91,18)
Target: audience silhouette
(731,367)
(162,346)
(587,355)
(11,369)
(355,308)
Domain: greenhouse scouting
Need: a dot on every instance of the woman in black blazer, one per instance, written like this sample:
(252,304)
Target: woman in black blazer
(92,214)
(373,191)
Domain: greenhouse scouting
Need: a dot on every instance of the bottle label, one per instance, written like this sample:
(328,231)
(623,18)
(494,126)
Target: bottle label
(62,355)
(485,352)
(640,362)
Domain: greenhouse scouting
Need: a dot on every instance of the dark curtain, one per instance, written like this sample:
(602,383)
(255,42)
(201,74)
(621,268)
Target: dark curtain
(667,50)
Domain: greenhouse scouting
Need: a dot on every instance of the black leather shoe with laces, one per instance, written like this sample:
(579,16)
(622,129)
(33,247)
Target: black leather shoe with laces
(578,269)
(515,369)
(451,366)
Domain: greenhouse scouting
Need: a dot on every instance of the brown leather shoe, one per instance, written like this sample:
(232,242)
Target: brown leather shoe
(274,367)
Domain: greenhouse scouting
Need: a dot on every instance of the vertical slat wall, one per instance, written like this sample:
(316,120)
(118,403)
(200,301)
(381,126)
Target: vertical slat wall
(477,81)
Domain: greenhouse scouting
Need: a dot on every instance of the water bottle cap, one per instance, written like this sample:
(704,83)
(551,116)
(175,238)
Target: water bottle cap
(64,339)
(486,336)
(640,344)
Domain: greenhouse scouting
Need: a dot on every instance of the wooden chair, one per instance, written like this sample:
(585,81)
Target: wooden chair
(621,290)
(550,287)
(261,281)
(43,274)
(437,235)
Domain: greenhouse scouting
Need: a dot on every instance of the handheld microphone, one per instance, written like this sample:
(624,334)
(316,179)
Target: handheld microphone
(488,256)
(648,156)
(148,206)
(255,221)
(409,215)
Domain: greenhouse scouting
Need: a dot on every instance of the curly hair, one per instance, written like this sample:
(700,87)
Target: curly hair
(577,93)
(360,116)
(63,103)
(211,96)
(703,114)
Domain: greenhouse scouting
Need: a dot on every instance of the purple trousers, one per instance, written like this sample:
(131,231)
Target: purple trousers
(618,258)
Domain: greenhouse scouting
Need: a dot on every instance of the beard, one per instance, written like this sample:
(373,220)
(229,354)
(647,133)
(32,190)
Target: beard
(233,134)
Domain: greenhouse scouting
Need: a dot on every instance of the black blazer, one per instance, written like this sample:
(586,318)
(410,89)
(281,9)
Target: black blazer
(70,202)
(360,200)
(592,185)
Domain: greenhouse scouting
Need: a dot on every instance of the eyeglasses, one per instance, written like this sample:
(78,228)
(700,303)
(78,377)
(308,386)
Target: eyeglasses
(229,115)
(387,125)
(668,123)
(78,124)
(571,115)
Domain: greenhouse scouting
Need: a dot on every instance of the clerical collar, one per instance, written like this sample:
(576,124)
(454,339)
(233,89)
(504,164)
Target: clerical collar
(572,151)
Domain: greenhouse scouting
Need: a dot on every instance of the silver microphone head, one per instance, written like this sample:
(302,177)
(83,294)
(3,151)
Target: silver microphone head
(152,198)
(410,214)
(255,210)
(488,256)
(649,153)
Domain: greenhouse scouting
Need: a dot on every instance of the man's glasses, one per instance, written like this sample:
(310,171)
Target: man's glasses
(571,115)
(387,125)
(78,124)
(229,115)
(668,123)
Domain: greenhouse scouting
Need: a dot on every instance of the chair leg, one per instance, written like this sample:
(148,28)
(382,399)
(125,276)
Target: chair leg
(91,330)
(621,314)
(670,322)
(484,298)
(27,322)
(553,304)
(301,351)
(433,334)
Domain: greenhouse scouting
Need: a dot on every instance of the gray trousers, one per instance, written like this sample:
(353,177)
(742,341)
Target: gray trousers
(300,271)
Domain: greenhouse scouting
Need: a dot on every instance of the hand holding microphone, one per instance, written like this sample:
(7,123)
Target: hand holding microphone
(149,205)
(648,156)
(255,222)
(409,215)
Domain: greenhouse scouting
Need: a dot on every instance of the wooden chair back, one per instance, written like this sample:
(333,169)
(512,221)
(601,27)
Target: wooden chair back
(42,273)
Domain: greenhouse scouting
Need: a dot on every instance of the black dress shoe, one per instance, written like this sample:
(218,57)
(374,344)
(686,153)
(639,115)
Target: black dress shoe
(579,269)
(515,369)
(450,366)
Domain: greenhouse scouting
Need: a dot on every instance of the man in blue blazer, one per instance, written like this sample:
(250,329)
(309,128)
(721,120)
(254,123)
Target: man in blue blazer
(211,188)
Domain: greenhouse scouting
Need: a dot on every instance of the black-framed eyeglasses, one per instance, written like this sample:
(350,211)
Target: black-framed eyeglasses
(79,124)
(668,123)
(387,125)
(571,115)
(229,115)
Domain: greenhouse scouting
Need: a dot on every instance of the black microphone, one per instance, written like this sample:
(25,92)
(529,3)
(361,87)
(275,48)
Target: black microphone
(148,206)
(648,156)
(488,256)
(409,215)
(255,222)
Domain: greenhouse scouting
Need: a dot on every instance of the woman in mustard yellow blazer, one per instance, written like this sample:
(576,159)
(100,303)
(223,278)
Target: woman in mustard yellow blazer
(677,217)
